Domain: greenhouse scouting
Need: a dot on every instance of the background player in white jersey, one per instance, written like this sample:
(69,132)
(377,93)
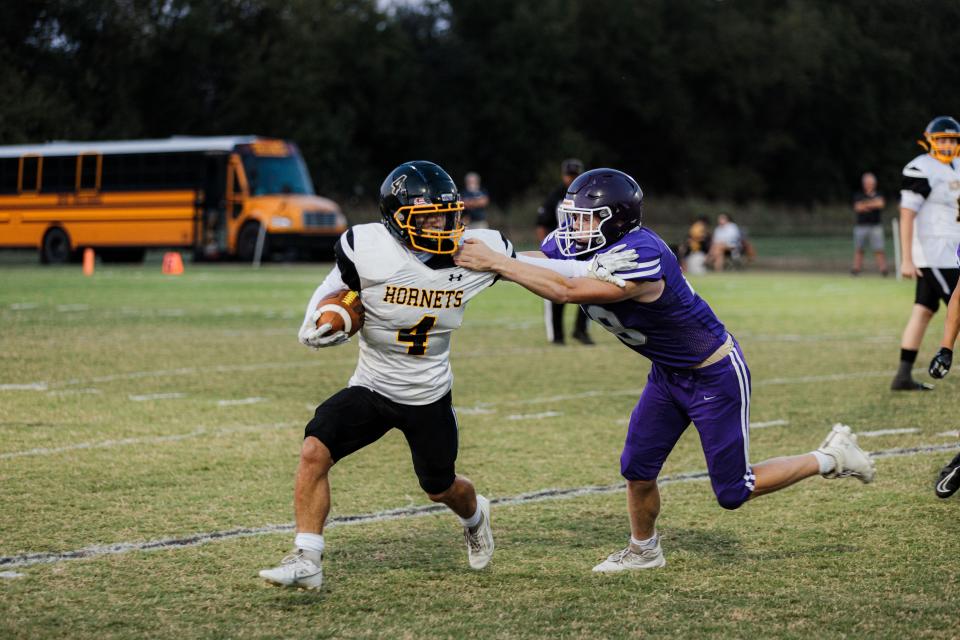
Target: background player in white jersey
(929,234)
(414,297)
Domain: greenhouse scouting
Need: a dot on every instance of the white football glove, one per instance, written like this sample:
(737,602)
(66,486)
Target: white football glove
(319,337)
(605,265)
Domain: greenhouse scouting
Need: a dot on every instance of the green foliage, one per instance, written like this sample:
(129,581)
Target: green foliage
(738,100)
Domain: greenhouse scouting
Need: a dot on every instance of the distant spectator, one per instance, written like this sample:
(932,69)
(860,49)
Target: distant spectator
(727,241)
(693,250)
(475,202)
(546,223)
(867,206)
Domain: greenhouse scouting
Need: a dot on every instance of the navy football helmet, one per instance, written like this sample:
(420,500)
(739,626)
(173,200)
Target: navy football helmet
(420,205)
(941,138)
(600,207)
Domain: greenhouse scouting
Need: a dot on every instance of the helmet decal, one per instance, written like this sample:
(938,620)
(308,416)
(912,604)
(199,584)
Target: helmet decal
(396,187)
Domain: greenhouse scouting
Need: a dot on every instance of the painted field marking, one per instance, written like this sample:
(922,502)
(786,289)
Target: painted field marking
(233,403)
(769,423)
(885,432)
(73,307)
(534,416)
(10,575)
(122,442)
(952,434)
(94,551)
(23,306)
(478,410)
(74,392)
(157,396)
(28,386)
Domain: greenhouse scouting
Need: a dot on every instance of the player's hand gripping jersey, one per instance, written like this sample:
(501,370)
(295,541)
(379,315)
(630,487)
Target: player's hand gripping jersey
(678,330)
(411,307)
(932,189)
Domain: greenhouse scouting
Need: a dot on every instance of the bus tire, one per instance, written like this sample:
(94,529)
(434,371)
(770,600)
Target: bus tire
(247,243)
(55,248)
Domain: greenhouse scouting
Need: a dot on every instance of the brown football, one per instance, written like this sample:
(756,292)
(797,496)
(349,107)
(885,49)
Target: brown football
(344,311)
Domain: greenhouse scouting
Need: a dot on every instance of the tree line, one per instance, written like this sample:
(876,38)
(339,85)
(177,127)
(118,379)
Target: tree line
(731,99)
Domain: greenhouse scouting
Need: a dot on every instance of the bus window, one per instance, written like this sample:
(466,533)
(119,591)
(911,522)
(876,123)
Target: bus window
(59,173)
(273,175)
(88,172)
(30,170)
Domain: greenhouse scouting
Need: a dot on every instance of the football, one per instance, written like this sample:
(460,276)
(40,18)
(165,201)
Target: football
(344,311)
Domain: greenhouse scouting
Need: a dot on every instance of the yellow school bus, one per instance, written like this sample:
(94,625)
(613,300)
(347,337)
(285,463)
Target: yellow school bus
(216,196)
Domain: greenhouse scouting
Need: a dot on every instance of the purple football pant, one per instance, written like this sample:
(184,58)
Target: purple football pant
(717,400)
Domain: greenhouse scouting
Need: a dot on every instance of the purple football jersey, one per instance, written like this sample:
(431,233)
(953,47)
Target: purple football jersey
(679,329)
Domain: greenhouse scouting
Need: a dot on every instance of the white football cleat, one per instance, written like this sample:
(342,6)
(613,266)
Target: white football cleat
(632,557)
(851,461)
(296,570)
(480,541)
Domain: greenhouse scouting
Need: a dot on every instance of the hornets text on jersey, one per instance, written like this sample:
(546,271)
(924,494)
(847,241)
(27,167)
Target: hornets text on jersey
(412,308)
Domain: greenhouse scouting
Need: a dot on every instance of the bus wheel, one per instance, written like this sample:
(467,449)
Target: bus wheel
(247,243)
(56,247)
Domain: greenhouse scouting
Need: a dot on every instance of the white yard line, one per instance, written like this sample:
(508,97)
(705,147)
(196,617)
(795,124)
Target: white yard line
(534,416)
(769,423)
(233,403)
(95,551)
(157,396)
(950,434)
(885,432)
(122,442)
(10,575)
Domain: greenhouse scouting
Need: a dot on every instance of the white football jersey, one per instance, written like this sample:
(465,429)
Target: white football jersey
(932,189)
(411,312)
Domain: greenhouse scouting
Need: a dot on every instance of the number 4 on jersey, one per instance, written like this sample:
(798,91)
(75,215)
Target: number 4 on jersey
(416,336)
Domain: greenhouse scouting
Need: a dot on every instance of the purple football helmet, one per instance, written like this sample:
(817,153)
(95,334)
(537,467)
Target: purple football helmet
(600,207)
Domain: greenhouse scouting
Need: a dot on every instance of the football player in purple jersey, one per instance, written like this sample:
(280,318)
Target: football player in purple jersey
(699,373)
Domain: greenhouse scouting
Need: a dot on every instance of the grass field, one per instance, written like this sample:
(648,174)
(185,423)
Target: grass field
(136,407)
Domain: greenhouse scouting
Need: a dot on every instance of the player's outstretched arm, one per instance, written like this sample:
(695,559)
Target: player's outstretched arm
(941,363)
(549,284)
(603,266)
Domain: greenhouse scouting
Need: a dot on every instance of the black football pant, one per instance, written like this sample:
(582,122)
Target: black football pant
(556,319)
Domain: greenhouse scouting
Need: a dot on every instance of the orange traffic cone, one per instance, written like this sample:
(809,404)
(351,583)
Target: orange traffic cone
(172,263)
(88,260)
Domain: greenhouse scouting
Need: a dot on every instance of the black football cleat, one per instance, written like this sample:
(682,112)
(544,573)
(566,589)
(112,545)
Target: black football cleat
(909,384)
(583,337)
(949,480)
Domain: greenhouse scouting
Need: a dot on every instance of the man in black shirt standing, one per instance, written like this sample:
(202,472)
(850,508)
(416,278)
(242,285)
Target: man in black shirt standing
(546,223)
(867,206)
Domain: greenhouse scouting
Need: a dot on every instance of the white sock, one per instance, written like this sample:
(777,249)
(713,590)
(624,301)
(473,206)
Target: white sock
(473,520)
(649,543)
(827,463)
(309,542)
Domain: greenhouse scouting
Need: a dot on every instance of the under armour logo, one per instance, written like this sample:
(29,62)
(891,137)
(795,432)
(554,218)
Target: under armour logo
(398,185)
(456,276)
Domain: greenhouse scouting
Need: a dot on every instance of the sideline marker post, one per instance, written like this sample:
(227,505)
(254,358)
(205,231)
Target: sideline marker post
(172,263)
(89,258)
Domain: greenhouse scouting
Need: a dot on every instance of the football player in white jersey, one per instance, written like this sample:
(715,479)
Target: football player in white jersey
(414,297)
(929,234)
